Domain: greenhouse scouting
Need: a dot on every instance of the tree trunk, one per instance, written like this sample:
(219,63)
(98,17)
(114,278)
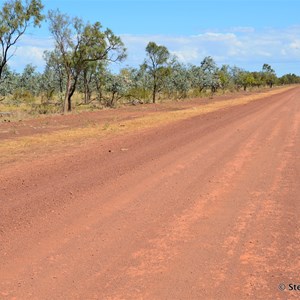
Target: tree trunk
(154,96)
(66,104)
(73,87)
(69,102)
(87,95)
(3,62)
(69,93)
(87,92)
(99,91)
(154,93)
(112,101)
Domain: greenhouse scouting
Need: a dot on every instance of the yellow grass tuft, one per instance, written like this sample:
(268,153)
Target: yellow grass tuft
(25,146)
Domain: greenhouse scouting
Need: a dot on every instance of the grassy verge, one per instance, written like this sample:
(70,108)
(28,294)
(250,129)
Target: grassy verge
(25,147)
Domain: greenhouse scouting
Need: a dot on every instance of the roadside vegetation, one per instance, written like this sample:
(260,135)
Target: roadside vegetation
(77,74)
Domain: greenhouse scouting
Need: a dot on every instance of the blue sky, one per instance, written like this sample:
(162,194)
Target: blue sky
(244,33)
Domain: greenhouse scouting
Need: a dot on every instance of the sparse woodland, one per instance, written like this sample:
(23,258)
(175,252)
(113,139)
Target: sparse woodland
(77,75)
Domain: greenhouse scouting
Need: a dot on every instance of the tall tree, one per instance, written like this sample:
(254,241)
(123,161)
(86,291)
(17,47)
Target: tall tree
(157,65)
(9,82)
(140,83)
(179,82)
(197,78)
(225,77)
(269,75)
(79,44)
(289,79)
(54,71)
(247,79)
(92,79)
(15,17)
(29,80)
(210,70)
(117,86)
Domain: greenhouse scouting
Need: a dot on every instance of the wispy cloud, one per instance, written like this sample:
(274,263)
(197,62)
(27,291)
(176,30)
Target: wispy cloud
(30,50)
(241,46)
(242,29)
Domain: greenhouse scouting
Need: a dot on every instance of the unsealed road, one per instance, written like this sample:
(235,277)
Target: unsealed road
(206,208)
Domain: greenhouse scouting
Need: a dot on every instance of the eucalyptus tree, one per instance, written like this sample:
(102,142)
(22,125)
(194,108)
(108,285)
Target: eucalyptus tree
(78,44)
(29,80)
(259,78)
(15,17)
(99,79)
(27,85)
(235,73)
(87,80)
(117,86)
(269,75)
(247,79)
(141,84)
(210,70)
(92,81)
(196,78)
(54,74)
(157,65)
(289,79)
(225,77)
(9,82)
(179,80)
(49,85)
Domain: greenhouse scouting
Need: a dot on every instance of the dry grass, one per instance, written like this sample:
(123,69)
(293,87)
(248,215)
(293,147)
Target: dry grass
(28,146)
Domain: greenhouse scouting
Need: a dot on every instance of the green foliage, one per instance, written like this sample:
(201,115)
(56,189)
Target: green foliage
(15,17)
(269,75)
(178,83)
(156,64)
(210,76)
(23,96)
(9,82)
(225,78)
(77,45)
(53,79)
(78,65)
(141,84)
(117,86)
(196,78)
(289,79)
(246,79)
(30,80)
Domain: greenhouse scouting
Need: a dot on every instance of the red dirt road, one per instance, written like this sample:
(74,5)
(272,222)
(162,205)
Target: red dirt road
(206,208)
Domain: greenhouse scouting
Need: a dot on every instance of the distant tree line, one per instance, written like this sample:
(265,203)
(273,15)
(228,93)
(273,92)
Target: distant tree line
(79,65)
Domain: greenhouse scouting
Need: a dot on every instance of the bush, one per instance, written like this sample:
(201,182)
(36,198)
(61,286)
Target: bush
(44,108)
(23,96)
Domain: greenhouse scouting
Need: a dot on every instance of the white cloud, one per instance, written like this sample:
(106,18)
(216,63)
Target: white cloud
(30,51)
(216,37)
(242,29)
(186,54)
(241,46)
(295,44)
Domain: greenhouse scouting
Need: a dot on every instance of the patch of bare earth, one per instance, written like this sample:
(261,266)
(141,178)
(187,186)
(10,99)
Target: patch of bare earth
(201,208)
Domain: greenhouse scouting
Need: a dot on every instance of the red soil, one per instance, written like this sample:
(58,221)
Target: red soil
(205,208)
